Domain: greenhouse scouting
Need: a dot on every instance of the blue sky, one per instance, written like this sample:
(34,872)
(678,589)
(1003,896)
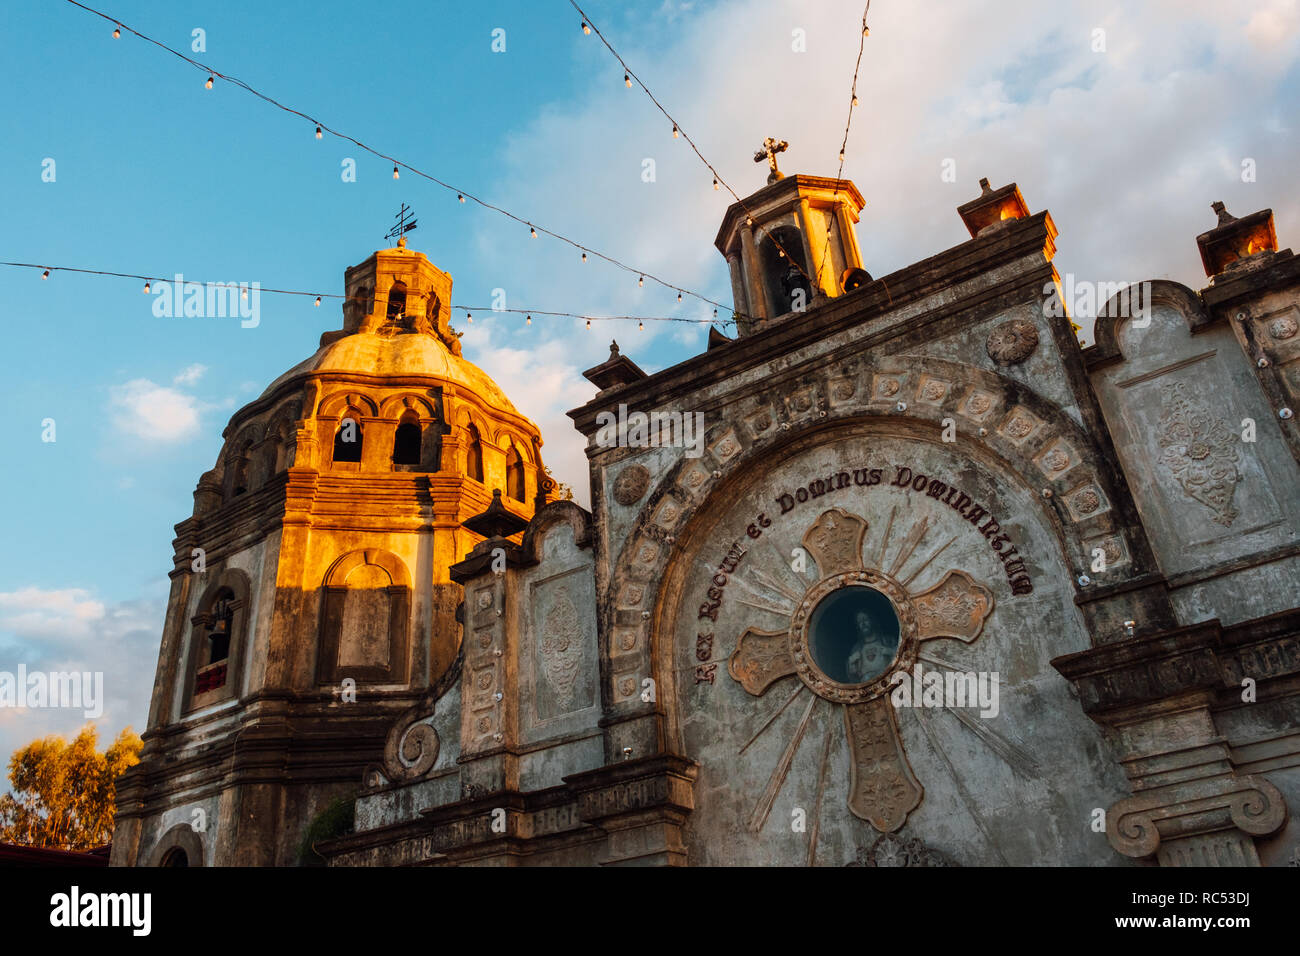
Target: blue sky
(1127,147)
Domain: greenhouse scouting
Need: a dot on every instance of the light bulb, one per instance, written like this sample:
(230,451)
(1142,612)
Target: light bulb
(208,85)
(679,297)
(395,171)
(318,135)
(45,274)
(715,313)
(841,156)
(244,293)
(528,321)
(586,29)
(589,323)
(715,182)
(318,302)
(628,80)
(674,131)
(146,288)
(460,197)
(640,326)
(584,257)
(855,99)
(532,232)
(640,283)
(469,318)
(117,34)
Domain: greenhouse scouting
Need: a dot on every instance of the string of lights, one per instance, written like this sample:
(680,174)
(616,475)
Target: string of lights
(844,144)
(469,310)
(461,194)
(589,27)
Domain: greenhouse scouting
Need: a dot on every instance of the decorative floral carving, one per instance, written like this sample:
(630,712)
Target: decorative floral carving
(889,849)
(1012,342)
(933,391)
(888,388)
(561,646)
(955,607)
(1056,460)
(627,687)
(1283,327)
(842,390)
(1019,427)
(726,449)
(631,484)
(1198,451)
(1087,501)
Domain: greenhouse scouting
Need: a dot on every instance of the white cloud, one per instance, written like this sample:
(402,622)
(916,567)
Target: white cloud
(155,413)
(1127,148)
(190,374)
(38,612)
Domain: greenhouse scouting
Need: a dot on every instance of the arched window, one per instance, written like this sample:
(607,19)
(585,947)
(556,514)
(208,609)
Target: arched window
(175,857)
(239,478)
(784,270)
(218,633)
(347,440)
(214,650)
(396,302)
(514,474)
(407,440)
(474,455)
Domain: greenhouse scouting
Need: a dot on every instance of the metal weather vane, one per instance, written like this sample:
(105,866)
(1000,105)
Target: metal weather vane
(402,227)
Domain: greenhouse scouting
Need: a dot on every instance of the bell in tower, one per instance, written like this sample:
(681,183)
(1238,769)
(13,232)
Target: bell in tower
(790,246)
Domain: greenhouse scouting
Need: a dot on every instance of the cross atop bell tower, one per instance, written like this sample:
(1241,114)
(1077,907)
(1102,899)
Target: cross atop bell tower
(768,151)
(790,246)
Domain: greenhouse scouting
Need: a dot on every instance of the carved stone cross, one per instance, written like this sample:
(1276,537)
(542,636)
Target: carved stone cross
(770,148)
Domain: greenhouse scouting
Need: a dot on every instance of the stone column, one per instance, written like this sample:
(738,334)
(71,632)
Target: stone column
(490,679)
(814,252)
(738,295)
(1155,694)
(757,297)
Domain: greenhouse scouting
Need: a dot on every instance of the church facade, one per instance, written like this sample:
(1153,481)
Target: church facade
(900,575)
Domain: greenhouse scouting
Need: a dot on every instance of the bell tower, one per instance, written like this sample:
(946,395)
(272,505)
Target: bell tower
(790,246)
(311,603)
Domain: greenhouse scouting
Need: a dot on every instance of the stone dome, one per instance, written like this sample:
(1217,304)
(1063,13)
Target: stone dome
(413,353)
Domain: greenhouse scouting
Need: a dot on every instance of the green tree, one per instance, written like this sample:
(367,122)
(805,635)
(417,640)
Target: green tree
(63,792)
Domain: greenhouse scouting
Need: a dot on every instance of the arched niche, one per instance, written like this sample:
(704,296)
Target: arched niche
(180,842)
(978,572)
(365,619)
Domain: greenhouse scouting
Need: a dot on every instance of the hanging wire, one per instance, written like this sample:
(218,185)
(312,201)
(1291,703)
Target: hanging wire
(170,280)
(461,194)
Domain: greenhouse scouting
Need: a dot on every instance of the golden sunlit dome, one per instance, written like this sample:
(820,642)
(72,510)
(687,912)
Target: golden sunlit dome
(405,355)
